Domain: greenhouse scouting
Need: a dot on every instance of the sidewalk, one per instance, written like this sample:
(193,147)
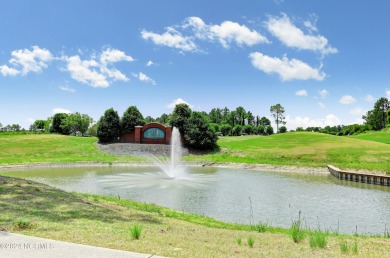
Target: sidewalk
(20,246)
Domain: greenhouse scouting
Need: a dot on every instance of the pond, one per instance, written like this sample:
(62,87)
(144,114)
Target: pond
(236,195)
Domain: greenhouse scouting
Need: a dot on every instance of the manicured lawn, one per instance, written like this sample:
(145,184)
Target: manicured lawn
(383,136)
(302,149)
(35,209)
(51,148)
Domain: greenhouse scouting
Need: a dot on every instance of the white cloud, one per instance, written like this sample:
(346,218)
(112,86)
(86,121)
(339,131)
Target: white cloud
(302,93)
(226,33)
(358,111)
(144,78)
(149,63)
(60,110)
(171,38)
(97,71)
(83,71)
(290,35)
(293,69)
(110,56)
(8,71)
(329,120)
(369,98)
(388,93)
(324,93)
(177,101)
(25,61)
(321,105)
(347,99)
(67,88)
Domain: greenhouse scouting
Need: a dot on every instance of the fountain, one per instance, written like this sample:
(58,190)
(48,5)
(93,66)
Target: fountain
(172,167)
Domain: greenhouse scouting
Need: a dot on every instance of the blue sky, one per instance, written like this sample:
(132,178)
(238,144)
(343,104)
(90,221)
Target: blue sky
(326,62)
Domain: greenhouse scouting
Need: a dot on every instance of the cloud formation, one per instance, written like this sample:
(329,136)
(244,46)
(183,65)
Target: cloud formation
(60,110)
(144,78)
(178,101)
(287,69)
(324,93)
(97,71)
(369,98)
(347,99)
(304,122)
(302,93)
(282,28)
(24,61)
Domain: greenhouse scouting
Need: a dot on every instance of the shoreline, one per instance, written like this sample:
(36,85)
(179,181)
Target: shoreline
(257,167)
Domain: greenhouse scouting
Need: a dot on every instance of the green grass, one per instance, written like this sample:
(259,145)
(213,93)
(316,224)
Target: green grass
(135,231)
(105,222)
(302,149)
(52,148)
(382,136)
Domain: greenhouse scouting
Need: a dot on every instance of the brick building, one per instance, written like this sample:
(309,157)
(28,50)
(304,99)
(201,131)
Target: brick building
(152,133)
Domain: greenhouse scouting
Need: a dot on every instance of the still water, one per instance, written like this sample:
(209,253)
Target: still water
(238,196)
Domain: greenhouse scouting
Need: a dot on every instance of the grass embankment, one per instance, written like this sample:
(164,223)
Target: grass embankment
(39,210)
(52,148)
(305,149)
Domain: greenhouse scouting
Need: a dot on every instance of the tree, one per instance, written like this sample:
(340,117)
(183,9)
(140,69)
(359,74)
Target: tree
(198,134)
(58,120)
(180,116)
(40,124)
(269,130)
(215,115)
(130,119)
(264,121)
(250,118)
(260,129)
(237,130)
(76,122)
(108,126)
(163,119)
(241,115)
(248,129)
(277,111)
(149,119)
(378,117)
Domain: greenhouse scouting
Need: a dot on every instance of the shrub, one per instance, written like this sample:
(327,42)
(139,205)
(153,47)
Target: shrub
(260,129)
(215,127)
(251,241)
(248,129)
(198,134)
(226,129)
(108,126)
(269,130)
(237,130)
(282,129)
(135,231)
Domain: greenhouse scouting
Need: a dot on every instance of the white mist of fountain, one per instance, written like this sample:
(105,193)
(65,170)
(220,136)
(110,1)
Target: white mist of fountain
(173,167)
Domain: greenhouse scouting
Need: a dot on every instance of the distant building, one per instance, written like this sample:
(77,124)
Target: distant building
(152,133)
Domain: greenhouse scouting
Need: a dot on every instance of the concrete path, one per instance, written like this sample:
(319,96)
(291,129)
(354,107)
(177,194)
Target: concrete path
(20,246)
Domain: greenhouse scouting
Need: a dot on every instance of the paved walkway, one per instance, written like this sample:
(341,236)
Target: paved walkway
(20,246)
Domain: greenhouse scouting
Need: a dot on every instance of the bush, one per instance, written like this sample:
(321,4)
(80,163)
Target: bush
(215,127)
(198,134)
(226,129)
(108,126)
(248,129)
(282,129)
(237,130)
(260,129)
(269,130)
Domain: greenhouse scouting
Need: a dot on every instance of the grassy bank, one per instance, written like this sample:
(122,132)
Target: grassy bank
(363,152)
(304,149)
(35,209)
(52,148)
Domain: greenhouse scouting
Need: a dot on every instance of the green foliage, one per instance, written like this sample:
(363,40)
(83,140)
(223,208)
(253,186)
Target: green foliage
(215,127)
(296,231)
(318,239)
(23,224)
(40,124)
(262,227)
(237,130)
(226,129)
(135,232)
(251,241)
(260,130)
(92,131)
(163,119)
(108,126)
(282,129)
(131,118)
(58,121)
(344,247)
(248,129)
(378,117)
(179,116)
(76,122)
(239,240)
(269,130)
(198,134)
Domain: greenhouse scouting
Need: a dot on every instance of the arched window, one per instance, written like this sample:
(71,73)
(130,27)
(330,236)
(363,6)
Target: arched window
(154,133)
